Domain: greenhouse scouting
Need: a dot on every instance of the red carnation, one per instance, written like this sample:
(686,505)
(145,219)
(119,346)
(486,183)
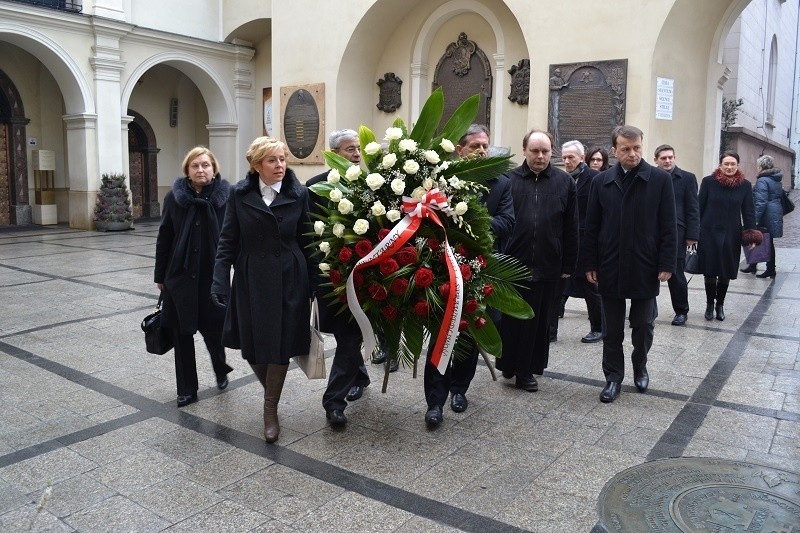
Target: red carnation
(363,247)
(399,286)
(480,323)
(345,254)
(336,277)
(388,266)
(466,272)
(377,291)
(389,311)
(423,277)
(488,289)
(406,255)
(462,325)
(382,233)
(471,306)
(358,279)
(461,250)
(421,308)
(433,244)
(444,289)
(481,261)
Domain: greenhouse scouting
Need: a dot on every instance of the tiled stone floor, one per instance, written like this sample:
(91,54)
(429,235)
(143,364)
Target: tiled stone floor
(91,439)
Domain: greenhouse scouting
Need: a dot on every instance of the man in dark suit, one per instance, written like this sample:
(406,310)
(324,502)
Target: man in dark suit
(630,247)
(687,214)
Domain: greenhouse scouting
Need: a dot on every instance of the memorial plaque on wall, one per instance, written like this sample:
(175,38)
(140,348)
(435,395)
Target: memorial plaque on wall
(464,71)
(587,101)
(302,109)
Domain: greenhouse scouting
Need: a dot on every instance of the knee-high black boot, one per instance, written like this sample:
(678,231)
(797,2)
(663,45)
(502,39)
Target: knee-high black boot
(711,293)
(722,289)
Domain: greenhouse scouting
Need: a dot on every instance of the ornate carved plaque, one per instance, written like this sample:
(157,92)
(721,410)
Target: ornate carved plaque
(698,494)
(587,101)
(520,82)
(302,110)
(389,98)
(464,71)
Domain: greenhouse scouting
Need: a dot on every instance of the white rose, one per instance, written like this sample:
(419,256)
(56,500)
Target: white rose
(432,157)
(389,160)
(333,176)
(361,226)
(417,193)
(345,206)
(409,145)
(398,186)
(374,181)
(372,148)
(335,195)
(338,230)
(393,215)
(378,209)
(324,267)
(324,247)
(461,208)
(410,166)
(353,173)
(392,134)
(427,184)
(319,227)
(455,182)
(447,146)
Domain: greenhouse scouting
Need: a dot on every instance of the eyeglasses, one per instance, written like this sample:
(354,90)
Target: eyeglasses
(596,159)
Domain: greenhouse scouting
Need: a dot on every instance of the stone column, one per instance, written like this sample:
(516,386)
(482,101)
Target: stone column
(222,141)
(498,97)
(246,109)
(420,87)
(83,175)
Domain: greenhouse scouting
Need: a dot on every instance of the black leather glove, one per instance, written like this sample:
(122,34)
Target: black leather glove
(220,300)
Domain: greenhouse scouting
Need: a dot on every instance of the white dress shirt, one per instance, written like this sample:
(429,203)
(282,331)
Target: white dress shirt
(269,192)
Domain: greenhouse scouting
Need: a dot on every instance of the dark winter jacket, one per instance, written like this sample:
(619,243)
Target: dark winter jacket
(185,250)
(269,305)
(767,195)
(583,184)
(545,235)
(630,237)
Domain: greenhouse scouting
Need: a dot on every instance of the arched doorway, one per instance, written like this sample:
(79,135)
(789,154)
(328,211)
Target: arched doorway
(14,206)
(143,167)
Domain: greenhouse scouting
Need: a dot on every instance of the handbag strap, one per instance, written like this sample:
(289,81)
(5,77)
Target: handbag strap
(160,300)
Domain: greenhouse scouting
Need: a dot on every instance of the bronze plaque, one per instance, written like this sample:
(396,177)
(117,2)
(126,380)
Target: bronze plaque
(520,82)
(587,101)
(464,71)
(698,494)
(303,126)
(389,97)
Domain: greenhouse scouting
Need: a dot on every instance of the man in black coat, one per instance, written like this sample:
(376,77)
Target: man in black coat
(545,239)
(630,247)
(687,215)
(458,376)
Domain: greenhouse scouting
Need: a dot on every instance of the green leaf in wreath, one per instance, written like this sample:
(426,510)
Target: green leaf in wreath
(429,118)
(461,119)
(488,338)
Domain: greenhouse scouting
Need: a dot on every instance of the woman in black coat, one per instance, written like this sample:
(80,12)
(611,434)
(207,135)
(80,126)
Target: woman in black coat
(185,250)
(726,206)
(268,301)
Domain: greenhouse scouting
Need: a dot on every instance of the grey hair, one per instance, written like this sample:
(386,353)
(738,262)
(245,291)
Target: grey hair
(473,129)
(337,137)
(765,162)
(574,144)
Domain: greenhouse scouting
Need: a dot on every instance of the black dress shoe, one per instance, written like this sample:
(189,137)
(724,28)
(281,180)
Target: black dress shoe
(766,274)
(641,380)
(336,417)
(379,356)
(222,384)
(751,269)
(679,320)
(394,364)
(186,399)
(508,374)
(355,393)
(527,383)
(592,336)
(458,402)
(611,392)
(553,337)
(720,312)
(709,312)
(434,416)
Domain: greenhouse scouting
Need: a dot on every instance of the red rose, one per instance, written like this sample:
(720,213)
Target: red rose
(421,308)
(466,272)
(389,311)
(388,266)
(461,250)
(406,255)
(358,279)
(377,291)
(462,325)
(487,289)
(336,277)
(423,277)
(363,247)
(399,286)
(382,234)
(471,306)
(480,323)
(444,289)
(343,298)
(433,244)
(481,261)
(345,254)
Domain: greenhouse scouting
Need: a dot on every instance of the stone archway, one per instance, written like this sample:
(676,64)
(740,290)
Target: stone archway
(143,167)
(14,205)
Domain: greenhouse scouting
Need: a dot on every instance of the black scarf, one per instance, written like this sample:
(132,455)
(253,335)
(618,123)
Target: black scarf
(213,196)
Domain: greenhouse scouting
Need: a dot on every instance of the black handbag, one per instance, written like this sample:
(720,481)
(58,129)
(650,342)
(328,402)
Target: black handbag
(786,203)
(158,340)
(692,263)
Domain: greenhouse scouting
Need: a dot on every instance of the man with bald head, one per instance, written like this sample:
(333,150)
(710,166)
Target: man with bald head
(545,239)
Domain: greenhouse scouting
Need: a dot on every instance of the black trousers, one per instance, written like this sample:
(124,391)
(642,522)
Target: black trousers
(642,317)
(347,369)
(455,380)
(678,286)
(186,363)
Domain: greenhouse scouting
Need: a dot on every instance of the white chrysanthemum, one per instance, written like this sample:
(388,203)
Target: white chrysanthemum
(378,209)
(333,176)
(444,165)
(408,145)
(398,186)
(389,160)
(428,184)
(361,226)
(338,230)
(417,193)
(393,215)
(319,227)
(375,181)
(372,148)
(432,157)
(345,206)
(455,182)
(410,166)
(392,134)
(324,268)
(353,173)
(325,247)
(461,208)
(335,195)
(447,146)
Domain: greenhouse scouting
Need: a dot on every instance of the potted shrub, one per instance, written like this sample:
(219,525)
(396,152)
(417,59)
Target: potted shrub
(112,211)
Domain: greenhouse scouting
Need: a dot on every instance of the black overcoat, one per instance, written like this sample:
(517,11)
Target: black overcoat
(687,211)
(630,236)
(269,305)
(583,184)
(185,250)
(724,212)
